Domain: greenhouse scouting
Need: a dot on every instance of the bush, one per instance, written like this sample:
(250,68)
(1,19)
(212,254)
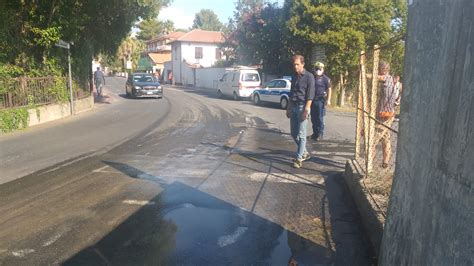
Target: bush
(13,119)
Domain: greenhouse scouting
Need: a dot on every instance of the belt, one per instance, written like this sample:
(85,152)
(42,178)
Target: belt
(297,103)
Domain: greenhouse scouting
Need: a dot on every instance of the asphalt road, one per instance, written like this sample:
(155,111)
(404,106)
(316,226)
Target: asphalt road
(113,121)
(189,179)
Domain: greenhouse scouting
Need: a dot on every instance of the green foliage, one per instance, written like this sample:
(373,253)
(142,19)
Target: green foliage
(46,37)
(59,91)
(206,19)
(343,28)
(13,119)
(222,63)
(10,71)
(129,49)
(258,35)
(152,28)
(29,30)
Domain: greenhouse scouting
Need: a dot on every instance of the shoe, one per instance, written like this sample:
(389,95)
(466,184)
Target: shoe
(297,163)
(314,137)
(305,157)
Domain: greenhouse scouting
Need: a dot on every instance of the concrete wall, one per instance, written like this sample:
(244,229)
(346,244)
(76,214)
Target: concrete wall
(431,212)
(168,65)
(53,112)
(177,62)
(187,75)
(208,77)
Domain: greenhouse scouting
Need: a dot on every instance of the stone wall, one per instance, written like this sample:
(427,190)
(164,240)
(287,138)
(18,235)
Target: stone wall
(431,214)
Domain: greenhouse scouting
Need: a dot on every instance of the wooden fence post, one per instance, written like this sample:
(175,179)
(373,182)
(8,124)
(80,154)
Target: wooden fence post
(373,107)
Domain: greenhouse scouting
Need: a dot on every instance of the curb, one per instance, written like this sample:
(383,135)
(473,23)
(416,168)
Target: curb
(52,112)
(371,217)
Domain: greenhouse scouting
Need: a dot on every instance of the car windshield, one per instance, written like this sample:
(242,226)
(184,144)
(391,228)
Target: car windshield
(250,77)
(143,78)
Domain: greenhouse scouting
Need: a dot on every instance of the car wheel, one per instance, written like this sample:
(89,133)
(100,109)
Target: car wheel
(219,94)
(284,103)
(235,96)
(256,99)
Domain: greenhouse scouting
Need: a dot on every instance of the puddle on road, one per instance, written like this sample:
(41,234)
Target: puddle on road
(214,233)
(185,226)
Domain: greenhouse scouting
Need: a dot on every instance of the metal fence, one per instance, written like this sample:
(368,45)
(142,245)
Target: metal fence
(24,91)
(376,138)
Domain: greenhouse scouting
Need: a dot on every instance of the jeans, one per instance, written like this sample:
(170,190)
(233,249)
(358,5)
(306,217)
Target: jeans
(298,129)
(98,87)
(318,110)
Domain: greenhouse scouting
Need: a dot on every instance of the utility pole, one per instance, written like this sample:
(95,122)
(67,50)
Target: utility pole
(70,80)
(67,45)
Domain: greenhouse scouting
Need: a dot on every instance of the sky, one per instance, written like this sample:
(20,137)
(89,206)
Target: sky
(182,12)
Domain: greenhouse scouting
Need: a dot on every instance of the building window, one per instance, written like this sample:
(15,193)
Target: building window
(198,52)
(218,54)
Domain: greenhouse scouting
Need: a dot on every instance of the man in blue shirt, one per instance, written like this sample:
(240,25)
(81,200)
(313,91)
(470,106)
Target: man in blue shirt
(322,97)
(99,81)
(301,95)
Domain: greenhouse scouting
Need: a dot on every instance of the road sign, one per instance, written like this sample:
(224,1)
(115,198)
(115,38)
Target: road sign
(67,46)
(129,64)
(62,44)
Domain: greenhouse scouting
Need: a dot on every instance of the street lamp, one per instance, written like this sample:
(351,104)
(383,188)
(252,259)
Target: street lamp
(67,45)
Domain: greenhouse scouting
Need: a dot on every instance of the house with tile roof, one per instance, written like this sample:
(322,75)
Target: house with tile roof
(158,51)
(195,49)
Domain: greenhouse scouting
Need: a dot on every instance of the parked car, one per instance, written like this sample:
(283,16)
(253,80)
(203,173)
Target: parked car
(143,85)
(238,83)
(274,91)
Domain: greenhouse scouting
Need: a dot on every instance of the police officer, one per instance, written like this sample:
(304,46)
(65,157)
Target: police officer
(322,97)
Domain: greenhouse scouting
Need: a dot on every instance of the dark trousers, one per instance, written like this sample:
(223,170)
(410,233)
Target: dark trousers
(318,110)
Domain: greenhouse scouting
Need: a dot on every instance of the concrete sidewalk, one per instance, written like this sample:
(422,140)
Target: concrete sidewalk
(316,202)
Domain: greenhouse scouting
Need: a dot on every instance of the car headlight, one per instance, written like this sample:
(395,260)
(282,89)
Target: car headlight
(138,87)
(159,87)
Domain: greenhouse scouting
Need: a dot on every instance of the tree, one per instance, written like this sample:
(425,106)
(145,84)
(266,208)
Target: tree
(258,35)
(152,28)
(33,27)
(206,19)
(343,28)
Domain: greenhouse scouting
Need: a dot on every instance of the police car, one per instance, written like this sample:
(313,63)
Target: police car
(275,91)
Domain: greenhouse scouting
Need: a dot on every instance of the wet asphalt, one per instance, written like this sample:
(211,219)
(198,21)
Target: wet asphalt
(209,182)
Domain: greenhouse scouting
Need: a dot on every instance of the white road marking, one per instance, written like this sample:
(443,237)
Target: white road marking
(53,239)
(231,239)
(139,202)
(100,169)
(22,252)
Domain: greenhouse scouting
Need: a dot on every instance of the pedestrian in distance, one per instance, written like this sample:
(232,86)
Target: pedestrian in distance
(157,76)
(99,81)
(322,97)
(301,96)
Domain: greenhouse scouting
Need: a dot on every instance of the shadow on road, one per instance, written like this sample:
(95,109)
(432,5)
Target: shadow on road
(184,226)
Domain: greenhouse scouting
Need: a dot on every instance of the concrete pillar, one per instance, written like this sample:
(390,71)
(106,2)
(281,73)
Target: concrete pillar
(431,213)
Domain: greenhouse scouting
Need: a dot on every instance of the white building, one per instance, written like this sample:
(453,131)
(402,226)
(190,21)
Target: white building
(195,49)
(159,50)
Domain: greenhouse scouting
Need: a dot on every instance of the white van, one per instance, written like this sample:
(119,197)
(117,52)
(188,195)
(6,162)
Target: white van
(238,82)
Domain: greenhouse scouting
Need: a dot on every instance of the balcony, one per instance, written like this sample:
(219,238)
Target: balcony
(160,48)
